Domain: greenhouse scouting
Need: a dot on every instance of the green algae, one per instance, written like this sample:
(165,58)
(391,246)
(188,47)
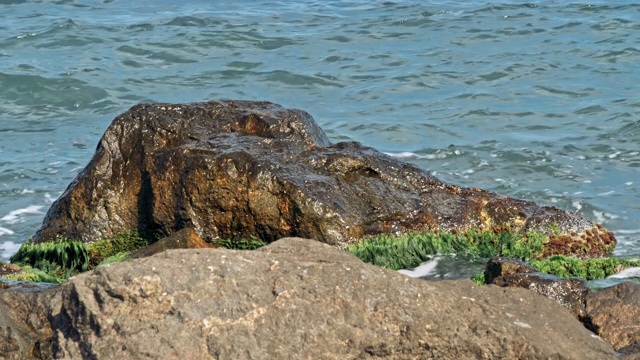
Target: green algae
(57,260)
(590,269)
(251,243)
(123,242)
(411,249)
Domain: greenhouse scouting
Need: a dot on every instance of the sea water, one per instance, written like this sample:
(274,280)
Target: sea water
(536,100)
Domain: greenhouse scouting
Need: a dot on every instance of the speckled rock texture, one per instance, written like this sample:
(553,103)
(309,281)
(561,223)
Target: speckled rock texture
(234,169)
(301,299)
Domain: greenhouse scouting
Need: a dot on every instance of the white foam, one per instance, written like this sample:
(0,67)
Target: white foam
(8,248)
(407,154)
(426,268)
(5,231)
(49,198)
(627,273)
(576,204)
(27,191)
(628,232)
(14,216)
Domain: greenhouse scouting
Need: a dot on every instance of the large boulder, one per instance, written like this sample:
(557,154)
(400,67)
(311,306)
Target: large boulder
(234,169)
(295,298)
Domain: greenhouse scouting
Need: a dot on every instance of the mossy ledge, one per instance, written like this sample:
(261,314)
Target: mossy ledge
(410,250)
(57,260)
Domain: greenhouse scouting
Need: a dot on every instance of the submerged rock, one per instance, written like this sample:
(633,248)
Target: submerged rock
(234,169)
(295,298)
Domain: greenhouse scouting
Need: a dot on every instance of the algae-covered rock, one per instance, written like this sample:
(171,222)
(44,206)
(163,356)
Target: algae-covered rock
(235,169)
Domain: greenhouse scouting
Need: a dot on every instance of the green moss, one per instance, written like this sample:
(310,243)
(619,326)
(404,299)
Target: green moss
(61,258)
(123,242)
(590,269)
(411,249)
(119,257)
(251,243)
(478,279)
(58,260)
(35,275)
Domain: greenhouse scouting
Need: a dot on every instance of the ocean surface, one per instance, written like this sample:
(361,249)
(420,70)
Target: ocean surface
(537,100)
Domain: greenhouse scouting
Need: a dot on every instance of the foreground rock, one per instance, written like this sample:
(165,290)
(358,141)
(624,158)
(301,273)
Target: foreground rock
(233,169)
(296,298)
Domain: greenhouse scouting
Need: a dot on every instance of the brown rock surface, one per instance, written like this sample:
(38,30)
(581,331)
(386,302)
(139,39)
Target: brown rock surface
(614,314)
(504,266)
(234,169)
(296,298)
(25,332)
(183,239)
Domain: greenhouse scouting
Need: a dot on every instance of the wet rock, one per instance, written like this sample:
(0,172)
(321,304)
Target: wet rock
(570,293)
(183,239)
(614,314)
(233,169)
(503,266)
(298,298)
(629,352)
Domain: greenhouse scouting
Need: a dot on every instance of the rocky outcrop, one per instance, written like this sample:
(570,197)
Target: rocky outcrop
(295,298)
(233,169)
(614,314)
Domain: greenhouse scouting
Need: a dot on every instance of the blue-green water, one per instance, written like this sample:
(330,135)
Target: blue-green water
(536,100)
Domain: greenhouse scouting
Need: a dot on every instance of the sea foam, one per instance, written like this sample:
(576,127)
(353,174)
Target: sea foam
(14,216)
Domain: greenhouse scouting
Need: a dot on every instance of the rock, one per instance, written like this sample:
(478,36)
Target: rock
(233,169)
(503,266)
(614,314)
(183,239)
(25,332)
(295,298)
(8,269)
(570,293)
(298,298)
(629,352)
